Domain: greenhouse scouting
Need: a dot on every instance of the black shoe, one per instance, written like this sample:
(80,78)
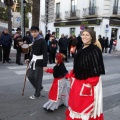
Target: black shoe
(20,64)
(48,110)
(7,61)
(9,58)
(3,62)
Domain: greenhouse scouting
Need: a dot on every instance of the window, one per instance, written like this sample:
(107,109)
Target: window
(92,7)
(73,5)
(57,7)
(115,7)
(57,33)
(57,10)
(92,3)
(72,31)
(116,2)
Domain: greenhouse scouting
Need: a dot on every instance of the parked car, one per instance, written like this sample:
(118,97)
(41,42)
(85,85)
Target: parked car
(14,31)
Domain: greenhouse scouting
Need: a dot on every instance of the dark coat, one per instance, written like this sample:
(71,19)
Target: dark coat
(63,43)
(53,46)
(6,40)
(74,42)
(80,43)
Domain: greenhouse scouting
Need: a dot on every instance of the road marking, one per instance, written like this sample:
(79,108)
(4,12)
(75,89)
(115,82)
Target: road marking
(111,90)
(23,71)
(24,67)
(111,76)
(112,113)
(33,113)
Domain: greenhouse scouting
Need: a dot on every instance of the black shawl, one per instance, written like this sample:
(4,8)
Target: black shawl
(88,62)
(59,71)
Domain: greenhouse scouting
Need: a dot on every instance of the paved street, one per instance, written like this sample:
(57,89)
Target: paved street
(14,106)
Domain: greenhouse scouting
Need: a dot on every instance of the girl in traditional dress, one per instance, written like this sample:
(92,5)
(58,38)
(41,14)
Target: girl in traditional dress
(85,97)
(58,94)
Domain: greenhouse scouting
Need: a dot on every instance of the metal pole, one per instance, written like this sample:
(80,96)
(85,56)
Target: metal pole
(22,17)
(24,20)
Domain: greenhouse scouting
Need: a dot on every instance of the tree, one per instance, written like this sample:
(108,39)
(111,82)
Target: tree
(9,4)
(35,12)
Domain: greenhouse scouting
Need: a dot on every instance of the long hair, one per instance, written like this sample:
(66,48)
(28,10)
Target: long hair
(91,32)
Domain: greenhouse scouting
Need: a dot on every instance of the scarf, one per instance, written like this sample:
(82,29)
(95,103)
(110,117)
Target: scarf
(88,62)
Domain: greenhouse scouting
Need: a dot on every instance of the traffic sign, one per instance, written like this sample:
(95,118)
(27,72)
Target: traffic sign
(18,19)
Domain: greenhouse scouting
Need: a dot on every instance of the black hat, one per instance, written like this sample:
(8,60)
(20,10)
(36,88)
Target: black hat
(34,28)
(18,29)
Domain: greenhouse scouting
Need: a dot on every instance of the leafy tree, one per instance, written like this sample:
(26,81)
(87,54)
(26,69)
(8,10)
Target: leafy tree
(9,4)
(35,12)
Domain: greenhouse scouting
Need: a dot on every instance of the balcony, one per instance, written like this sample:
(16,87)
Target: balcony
(90,12)
(72,15)
(58,17)
(116,12)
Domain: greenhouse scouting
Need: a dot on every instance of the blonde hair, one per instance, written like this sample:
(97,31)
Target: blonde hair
(98,44)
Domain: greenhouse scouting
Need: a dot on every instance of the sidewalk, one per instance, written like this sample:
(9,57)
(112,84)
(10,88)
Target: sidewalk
(116,53)
(5,25)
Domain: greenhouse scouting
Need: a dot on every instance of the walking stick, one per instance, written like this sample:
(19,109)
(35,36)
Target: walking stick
(25,80)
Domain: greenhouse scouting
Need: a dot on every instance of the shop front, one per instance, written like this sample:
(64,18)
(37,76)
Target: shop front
(74,27)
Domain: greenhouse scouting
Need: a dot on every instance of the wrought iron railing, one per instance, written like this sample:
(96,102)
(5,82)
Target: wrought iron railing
(90,11)
(72,14)
(57,15)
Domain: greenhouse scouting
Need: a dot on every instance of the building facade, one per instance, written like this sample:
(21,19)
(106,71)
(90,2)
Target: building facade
(71,16)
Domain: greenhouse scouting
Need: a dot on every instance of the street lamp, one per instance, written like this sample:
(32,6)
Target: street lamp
(24,5)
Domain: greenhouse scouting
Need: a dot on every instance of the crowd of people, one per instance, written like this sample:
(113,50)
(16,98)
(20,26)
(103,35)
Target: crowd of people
(105,43)
(65,45)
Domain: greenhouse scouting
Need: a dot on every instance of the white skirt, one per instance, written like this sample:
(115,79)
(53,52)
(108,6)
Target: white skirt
(62,97)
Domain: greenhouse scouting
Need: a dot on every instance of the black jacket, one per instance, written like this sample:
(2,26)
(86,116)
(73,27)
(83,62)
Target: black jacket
(5,40)
(63,43)
(53,46)
(39,47)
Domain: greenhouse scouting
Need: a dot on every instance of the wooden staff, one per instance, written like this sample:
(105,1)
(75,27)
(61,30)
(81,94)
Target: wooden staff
(25,80)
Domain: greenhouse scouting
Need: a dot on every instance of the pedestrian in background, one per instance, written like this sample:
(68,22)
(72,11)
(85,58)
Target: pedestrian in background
(63,45)
(80,43)
(17,45)
(52,49)
(6,42)
(27,40)
(47,37)
(101,41)
(114,45)
(106,44)
(74,45)
(111,45)
(103,44)
(69,44)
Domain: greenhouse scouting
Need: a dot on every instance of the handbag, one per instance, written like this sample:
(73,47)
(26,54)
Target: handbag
(72,49)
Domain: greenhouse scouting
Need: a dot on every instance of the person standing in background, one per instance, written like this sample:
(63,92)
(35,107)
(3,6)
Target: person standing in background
(80,43)
(47,37)
(69,44)
(63,44)
(111,45)
(6,42)
(74,44)
(27,40)
(17,45)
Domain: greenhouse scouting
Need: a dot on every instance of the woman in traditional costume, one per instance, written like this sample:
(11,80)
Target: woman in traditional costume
(85,97)
(58,94)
